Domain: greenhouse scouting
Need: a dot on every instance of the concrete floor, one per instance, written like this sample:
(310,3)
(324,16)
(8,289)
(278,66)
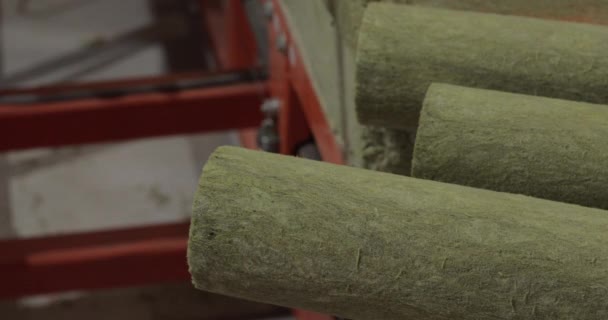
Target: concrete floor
(49,191)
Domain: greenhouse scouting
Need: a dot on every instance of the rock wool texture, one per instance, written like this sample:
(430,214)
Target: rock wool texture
(403,49)
(542,147)
(367,245)
(589,11)
(381,148)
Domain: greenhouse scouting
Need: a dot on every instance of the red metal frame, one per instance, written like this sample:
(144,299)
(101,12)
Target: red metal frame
(93,260)
(326,141)
(129,117)
(143,255)
(301,114)
(292,126)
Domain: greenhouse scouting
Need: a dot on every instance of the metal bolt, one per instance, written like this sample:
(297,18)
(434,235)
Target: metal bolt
(270,107)
(268,9)
(268,138)
(282,42)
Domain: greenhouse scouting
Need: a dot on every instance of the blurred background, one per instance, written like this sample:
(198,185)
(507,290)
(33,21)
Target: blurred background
(80,188)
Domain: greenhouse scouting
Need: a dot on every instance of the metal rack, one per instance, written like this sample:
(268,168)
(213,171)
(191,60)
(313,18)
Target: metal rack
(227,98)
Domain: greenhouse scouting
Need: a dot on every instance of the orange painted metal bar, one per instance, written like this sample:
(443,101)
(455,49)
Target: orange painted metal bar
(293,128)
(301,112)
(129,117)
(93,260)
(325,139)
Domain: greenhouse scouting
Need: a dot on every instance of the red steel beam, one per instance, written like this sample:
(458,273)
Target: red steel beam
(293,127)
(111,84)
(129,117)
(93,260)
(324,136)
(289,76)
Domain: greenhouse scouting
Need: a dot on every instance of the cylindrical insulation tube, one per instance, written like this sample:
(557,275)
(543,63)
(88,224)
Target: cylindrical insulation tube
(546,148)
(366,245)
(403,49)
(349,12)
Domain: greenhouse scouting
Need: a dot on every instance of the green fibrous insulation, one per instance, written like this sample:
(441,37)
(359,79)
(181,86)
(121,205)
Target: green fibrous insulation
(387,150)
(402,49)
(367,245)
(590,11)
(350,12)
(542,147)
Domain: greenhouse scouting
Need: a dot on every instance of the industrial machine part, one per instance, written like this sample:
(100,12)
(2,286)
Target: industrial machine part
(268,133)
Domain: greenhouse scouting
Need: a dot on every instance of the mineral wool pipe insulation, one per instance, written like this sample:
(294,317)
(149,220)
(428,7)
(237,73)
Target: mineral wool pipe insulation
(366,245)
(542,147)
(402,49)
